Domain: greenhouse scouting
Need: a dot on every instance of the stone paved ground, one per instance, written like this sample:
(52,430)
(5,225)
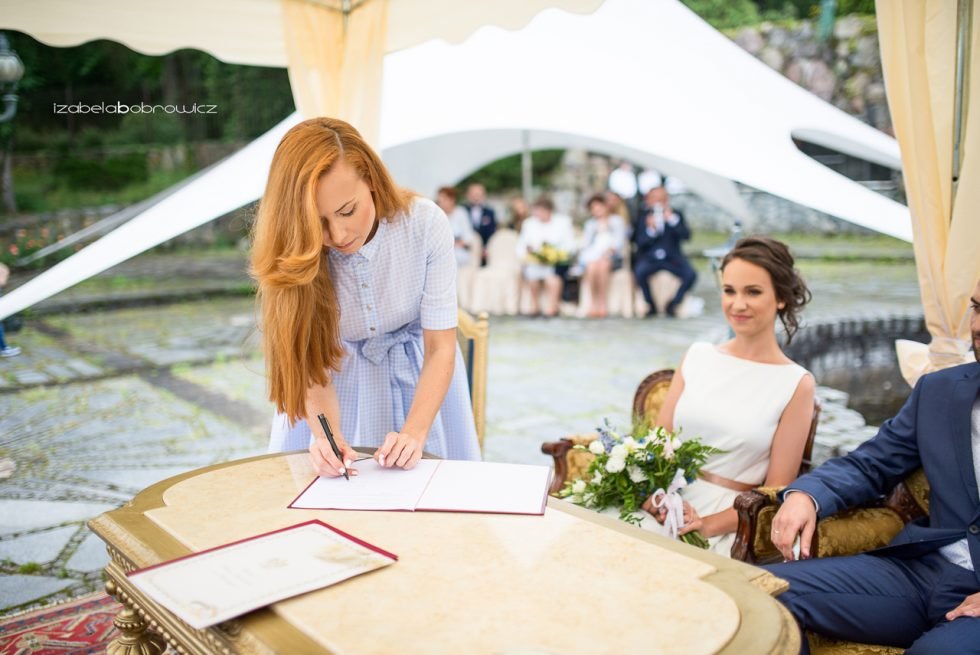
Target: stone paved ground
(102,404)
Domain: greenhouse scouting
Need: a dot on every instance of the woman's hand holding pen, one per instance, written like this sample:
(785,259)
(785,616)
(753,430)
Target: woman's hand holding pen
(400,449)
(325,463)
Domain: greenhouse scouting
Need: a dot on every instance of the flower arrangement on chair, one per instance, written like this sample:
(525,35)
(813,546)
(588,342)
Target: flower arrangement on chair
(630,468)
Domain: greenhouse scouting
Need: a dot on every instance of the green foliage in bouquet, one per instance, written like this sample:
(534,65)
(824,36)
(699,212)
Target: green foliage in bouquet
(550,255)
(628,469)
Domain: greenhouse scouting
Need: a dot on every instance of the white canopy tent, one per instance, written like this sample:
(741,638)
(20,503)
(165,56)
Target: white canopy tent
(645,79)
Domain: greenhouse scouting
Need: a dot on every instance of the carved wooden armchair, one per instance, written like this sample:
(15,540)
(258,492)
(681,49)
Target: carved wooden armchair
(848,532)
(571,464)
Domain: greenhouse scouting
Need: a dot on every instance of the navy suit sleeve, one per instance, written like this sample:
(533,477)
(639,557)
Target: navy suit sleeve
(682,231)
(873,468)
(644,242)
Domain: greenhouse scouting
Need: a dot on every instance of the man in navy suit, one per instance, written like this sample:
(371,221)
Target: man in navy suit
(658,233)
(922,591)
(482,216)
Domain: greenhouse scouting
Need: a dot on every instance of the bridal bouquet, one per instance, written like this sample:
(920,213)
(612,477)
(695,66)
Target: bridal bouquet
(549,255)
(628,469)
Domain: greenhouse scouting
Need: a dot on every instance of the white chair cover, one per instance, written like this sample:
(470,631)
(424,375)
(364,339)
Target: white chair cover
(496,286)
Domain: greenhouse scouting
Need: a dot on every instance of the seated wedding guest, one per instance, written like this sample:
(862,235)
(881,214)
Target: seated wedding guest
(603,243)
(922,591)
(459,221)
(482,216)
(618,206)
(658,233)
(357,291)
(743,396)
(519,211)
(545,238)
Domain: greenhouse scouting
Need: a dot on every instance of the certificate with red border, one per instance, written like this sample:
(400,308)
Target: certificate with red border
(220,583)
(434,485)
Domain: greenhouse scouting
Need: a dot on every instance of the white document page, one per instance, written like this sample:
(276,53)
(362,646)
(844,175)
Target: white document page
(373,488)
(216,585)
(460,486)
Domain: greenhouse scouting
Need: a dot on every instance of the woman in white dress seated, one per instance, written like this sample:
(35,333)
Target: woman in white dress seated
(743,396)
(604,241)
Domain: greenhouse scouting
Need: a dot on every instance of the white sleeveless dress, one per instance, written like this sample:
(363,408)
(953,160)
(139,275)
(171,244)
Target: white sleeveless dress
(735,405)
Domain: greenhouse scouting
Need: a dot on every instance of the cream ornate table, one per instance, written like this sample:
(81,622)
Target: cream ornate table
(570,581)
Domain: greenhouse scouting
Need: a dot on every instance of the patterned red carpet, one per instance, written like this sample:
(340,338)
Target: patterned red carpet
(79,627)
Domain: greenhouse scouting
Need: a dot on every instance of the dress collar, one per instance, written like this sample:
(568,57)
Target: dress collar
(369,249)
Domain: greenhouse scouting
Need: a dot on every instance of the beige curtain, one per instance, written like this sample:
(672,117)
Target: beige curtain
(918,45)
(336,62)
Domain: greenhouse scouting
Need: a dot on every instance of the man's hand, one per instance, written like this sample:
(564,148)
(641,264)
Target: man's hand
(797,516)
(969,607)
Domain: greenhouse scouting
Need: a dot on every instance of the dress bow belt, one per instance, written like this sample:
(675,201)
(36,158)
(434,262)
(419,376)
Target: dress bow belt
(376,349)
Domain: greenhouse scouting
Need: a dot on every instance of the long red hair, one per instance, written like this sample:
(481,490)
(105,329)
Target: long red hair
(300,317)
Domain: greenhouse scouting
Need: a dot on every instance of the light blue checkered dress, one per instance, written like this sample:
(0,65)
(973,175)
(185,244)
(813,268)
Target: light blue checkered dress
(396,285)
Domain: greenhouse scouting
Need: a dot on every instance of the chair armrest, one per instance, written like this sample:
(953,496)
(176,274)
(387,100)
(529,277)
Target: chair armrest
(857,530)
(755,510)
(568,465)
(559,452)
(848,532)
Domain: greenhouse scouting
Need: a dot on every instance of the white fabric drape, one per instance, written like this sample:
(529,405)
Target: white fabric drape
(918,48)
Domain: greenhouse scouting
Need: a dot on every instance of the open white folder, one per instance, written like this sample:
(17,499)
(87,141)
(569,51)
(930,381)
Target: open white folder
(220,583)
(434,486)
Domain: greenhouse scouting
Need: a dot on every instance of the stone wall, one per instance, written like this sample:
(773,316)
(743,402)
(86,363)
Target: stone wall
(857,356)
(845,71)
(856,368)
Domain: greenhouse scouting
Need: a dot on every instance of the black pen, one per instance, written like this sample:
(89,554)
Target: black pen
(333,444)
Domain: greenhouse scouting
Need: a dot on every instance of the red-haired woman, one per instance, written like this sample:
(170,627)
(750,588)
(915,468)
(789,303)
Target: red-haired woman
(357,290)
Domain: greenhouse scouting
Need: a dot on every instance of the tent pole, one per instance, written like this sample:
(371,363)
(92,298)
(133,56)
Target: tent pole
(964,21)
(526,170)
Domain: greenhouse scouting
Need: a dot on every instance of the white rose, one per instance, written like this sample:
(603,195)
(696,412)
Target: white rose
(629,443)
(615,464)
(637,474)
(589,500)
(676,443)
(578,487)
(596,447)
(619,451)
(597,478)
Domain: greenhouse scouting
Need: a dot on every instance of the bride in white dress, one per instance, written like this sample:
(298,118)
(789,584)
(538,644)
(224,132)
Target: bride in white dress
(743,396)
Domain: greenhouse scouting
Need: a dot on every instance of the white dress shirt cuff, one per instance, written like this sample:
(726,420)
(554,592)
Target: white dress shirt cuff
(816,505)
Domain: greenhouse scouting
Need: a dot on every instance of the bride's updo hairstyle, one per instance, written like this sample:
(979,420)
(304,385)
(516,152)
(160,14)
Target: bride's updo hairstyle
(774,256)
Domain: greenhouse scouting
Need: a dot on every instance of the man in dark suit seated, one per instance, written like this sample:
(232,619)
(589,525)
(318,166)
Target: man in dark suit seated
(658,233)
(482,216)
(922,591)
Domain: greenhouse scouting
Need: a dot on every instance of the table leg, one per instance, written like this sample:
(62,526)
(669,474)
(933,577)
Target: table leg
(134,638)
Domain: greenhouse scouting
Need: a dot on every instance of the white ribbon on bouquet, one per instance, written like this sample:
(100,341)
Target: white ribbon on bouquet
(671,501)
